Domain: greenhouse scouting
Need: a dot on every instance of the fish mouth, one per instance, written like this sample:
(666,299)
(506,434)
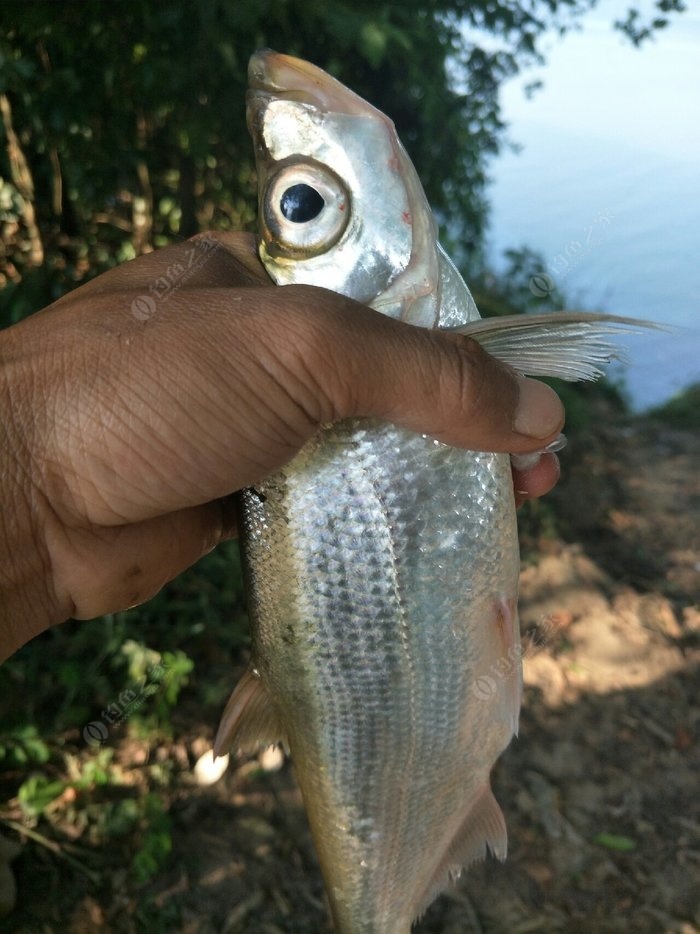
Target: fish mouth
(272,75)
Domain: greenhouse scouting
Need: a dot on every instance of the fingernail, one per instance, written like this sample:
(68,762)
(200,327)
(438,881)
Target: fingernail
(540,412)
(525,461)
(528,461)
(559,443)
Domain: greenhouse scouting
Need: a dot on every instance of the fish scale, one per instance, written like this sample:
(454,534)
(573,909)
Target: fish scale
(383,642)
(382,566)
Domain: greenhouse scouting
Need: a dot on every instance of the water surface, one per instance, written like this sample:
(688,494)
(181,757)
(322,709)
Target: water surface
(607,187)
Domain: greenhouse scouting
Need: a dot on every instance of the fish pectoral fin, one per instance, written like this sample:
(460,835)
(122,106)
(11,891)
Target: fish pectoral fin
(483,830)
(250,720)
(572,345)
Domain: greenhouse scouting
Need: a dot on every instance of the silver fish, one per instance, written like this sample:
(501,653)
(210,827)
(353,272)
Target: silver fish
(382,565)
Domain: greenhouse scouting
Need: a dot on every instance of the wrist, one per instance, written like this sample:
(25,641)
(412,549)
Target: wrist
(27,604)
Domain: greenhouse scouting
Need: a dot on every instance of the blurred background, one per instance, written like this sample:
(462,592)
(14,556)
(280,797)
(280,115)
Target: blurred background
(613,131)
(558,142)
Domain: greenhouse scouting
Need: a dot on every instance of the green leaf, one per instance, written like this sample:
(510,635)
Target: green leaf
(618,842)
(373,41)
(23,746)
(37,792)
(156,843)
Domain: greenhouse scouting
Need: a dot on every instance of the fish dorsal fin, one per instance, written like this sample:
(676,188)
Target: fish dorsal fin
(250,720)
(484,829)
(572,345)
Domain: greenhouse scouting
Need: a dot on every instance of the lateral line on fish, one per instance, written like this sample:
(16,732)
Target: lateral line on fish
(404,790)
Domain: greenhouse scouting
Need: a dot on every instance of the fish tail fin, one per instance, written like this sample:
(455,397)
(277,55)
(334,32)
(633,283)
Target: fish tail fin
(572,345)
(250,720)
(482,831)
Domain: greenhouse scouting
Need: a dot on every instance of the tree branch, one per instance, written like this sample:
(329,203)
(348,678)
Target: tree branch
(24,183)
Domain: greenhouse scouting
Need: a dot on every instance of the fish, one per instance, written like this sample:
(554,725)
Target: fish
(382,566)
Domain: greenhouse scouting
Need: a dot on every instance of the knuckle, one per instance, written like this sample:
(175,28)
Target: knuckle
(481,395)
(319,341)
(303,354)
(469,373)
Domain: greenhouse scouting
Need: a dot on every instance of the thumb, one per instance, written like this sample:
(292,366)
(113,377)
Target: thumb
(428,381)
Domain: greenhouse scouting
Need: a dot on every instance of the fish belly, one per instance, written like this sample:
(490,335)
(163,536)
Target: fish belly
(382,572)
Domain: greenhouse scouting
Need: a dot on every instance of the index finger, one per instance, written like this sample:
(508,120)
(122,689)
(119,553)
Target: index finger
(208,260)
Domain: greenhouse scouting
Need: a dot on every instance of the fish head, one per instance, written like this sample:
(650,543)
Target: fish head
(340,203)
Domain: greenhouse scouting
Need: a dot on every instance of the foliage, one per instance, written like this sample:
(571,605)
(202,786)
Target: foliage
(37,792)
(22,747)
(103,821)
(682,411)
(156,842)
(510,291)
(128,130)
(638,31)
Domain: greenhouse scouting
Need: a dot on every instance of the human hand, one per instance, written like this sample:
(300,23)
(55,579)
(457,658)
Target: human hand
(132,408)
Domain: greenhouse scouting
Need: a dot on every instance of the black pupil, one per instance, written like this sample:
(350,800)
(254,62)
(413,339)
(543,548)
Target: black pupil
(301,203)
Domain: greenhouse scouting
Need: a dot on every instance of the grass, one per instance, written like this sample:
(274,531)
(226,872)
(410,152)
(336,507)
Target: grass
(82,703)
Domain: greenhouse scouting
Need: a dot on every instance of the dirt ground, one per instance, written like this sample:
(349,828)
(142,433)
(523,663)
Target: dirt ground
(600,789)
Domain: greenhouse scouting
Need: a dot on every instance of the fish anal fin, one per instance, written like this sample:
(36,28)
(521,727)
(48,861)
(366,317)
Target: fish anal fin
(250,720)
(482,831)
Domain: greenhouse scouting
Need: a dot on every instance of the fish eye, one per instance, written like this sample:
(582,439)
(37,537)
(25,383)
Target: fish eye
(305,209)
(301,203)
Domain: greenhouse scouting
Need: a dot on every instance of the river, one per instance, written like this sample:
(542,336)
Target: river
(607,186)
